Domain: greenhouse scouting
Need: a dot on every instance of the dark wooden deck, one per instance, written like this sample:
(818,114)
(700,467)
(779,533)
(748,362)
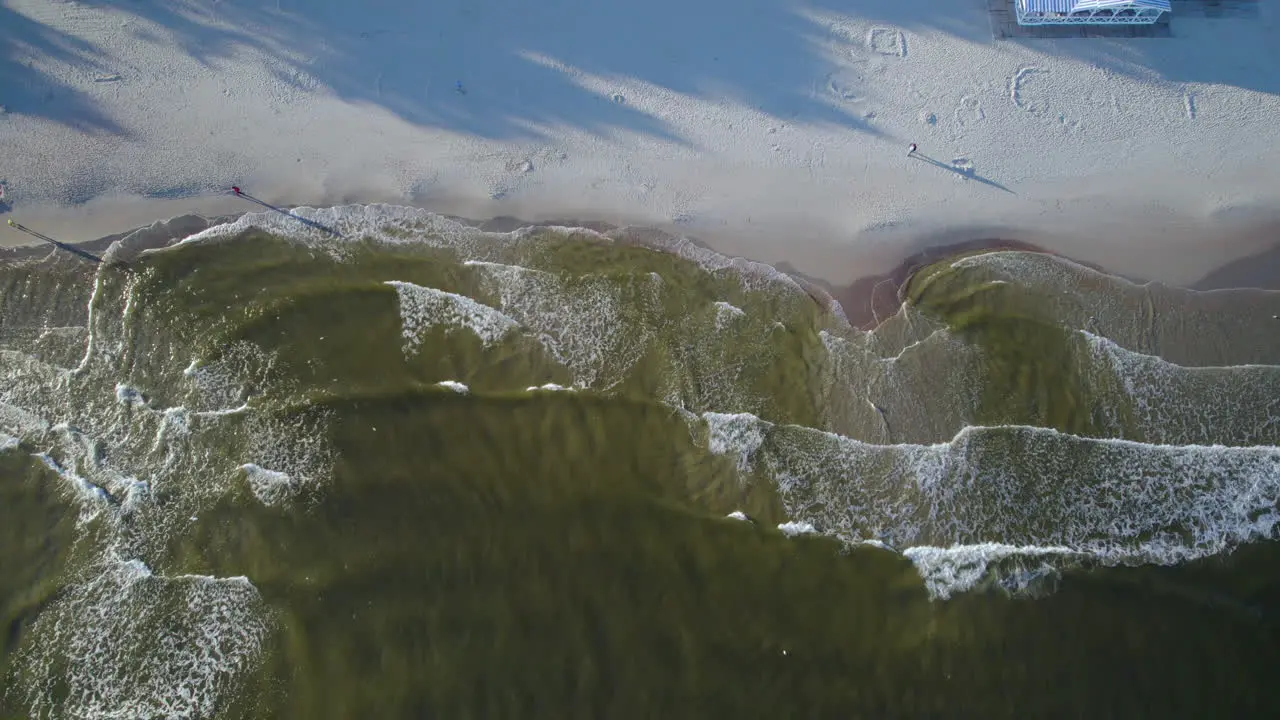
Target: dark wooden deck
(1004,24)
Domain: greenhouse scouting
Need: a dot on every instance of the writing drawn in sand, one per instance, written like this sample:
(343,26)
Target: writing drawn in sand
(843,84)
(1027,90)
(968,111)
(887,41)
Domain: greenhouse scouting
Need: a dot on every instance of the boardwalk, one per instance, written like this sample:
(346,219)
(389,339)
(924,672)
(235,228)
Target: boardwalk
(1004,23)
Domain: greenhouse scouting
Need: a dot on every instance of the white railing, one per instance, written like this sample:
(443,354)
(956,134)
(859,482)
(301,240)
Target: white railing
(1143,16)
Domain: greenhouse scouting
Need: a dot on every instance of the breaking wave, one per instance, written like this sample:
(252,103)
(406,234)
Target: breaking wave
(153,394)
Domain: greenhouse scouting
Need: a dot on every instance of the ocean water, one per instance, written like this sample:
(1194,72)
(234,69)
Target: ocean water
(422,470)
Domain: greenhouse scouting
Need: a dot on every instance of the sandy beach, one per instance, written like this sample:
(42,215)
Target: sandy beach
(773,129)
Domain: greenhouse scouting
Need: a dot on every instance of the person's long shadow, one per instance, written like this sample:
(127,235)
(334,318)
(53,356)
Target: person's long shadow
(305,221)
(967,173)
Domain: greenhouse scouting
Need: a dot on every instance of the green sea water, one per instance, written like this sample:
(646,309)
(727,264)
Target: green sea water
(426,471)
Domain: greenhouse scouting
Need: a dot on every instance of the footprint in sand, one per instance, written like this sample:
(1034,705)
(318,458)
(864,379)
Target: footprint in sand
(843,84)
(914,94)
(968,112)
(518,169)
(1027,89)
(887,41)
(1071,126)
(423,188)
(844,32)
(520,166)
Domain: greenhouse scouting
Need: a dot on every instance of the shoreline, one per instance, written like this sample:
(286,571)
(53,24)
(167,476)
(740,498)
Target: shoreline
(864,302)
(1172,248)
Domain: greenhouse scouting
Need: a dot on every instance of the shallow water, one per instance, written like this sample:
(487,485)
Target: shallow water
(423,470)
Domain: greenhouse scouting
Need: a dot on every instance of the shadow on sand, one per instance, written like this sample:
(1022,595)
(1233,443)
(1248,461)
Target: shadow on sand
(287,213)
(530,67)
(27,49)
(525,67)
(964,172)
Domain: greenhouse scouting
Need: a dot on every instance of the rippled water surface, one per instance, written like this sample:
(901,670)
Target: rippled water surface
(427,471)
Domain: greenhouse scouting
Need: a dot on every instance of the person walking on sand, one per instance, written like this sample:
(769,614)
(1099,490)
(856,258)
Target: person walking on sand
(911,149)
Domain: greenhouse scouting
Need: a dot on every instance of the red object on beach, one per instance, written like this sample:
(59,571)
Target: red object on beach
(235,189)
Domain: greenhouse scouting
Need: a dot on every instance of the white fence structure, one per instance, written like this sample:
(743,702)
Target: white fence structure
(1090,12)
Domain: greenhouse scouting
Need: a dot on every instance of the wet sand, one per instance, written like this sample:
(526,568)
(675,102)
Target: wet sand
(1260,271)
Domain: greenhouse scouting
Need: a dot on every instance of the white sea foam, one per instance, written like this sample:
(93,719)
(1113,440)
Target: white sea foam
(598,327)
(129,396)
(226,382)
(1117,502)
(395,224)
(455,386)
(271,487)
(959,508)
(296,446)
(94,320)
(126,643)
(594,326)
(1050,269)
(738,515)
(222,412)
(726,314)
(114,443)
(795,529)
(91,499)
(715,359)
(751,274)
(1222,327)
(950,570)
(833,343)
(1172,404)
(136,495)
(8,442)
(422,308)
(548,387)
(119,642)
(739,435)
(387,224)
(67,332)
(175,424)
(20,421)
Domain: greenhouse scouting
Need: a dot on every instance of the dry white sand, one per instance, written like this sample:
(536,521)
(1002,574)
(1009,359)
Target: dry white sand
(777,129)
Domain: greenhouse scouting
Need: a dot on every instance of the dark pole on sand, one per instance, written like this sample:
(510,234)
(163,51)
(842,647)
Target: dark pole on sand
(61,246)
